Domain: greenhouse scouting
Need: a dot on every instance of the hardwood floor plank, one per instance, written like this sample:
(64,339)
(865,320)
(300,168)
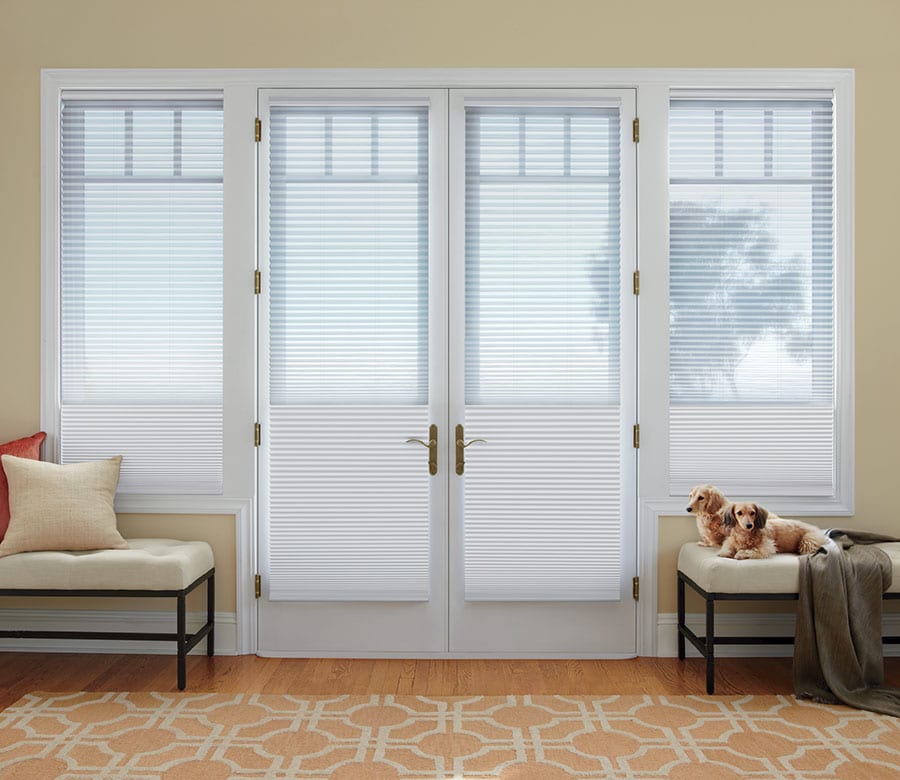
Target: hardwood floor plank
(21,673)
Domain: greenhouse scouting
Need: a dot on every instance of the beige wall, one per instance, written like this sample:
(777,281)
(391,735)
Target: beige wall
(863,34)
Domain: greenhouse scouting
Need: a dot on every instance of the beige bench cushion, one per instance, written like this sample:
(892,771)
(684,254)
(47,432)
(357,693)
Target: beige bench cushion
(778,574)
(147,564)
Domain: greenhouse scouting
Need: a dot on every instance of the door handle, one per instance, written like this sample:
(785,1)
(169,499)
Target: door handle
(432,445)
(461,445)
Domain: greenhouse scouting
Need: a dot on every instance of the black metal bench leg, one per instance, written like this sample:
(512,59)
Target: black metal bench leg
(681,617)
(211,614)
(182,643)
(710,645)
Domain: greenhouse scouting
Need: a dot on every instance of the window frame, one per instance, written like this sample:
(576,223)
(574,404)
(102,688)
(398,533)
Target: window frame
(239,262)
(654,344)
(240,88)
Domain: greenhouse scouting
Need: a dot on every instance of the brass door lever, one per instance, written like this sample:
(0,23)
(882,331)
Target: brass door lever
(432,445)
(461,445)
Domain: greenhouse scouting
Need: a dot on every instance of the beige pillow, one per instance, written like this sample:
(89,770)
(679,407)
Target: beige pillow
(55,507)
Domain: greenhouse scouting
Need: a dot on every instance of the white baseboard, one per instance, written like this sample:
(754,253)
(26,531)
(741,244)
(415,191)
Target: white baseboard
(111,620)
(748,624)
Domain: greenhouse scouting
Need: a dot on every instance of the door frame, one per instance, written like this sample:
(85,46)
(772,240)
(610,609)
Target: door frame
(447,192)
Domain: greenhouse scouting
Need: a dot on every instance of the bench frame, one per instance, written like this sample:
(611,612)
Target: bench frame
(185,642)
(707,644)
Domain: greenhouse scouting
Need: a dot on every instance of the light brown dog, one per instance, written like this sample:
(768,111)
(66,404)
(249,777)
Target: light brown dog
(754,533)
(707,503)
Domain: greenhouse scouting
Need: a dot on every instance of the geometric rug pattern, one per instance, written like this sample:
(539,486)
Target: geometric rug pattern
(215,736)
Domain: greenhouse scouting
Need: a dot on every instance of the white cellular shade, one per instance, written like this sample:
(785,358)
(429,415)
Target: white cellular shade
(543,504)
(752,345)
(349,501)
(542,256)
(348,255)
(141,290)
(543,501)
(347,516)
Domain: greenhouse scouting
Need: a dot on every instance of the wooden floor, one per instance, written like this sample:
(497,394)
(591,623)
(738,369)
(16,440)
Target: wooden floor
(21,673)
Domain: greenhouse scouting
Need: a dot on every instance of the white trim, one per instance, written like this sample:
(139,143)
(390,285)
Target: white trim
(50,241)
(748,624)
(238,299)
(111,620)
(246,567)
(648,516)
(561,655)
(244,548)
(364,78)
(845,293)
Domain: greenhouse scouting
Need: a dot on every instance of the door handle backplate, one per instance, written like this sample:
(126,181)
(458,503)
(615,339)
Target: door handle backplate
(432,445)
(461,445)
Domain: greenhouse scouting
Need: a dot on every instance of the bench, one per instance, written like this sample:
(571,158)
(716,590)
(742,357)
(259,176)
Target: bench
(150,568)
(725,579)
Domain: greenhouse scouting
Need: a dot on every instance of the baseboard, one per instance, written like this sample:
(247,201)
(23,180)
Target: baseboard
(746,624)
(111,620)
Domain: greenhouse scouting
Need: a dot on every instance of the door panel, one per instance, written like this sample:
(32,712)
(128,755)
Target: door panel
(526,338)
(353,524)
(542,369)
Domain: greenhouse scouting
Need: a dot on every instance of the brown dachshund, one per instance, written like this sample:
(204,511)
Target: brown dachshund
(754,533)
(707,503)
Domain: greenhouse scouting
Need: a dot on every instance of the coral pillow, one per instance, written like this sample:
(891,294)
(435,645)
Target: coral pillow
(55,507)
(29,447)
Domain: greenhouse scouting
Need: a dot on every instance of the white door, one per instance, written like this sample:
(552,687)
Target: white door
(368,338)
(542,369)
(352,365)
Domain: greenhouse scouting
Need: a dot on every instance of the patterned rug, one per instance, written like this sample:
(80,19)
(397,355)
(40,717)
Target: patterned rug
(139,736)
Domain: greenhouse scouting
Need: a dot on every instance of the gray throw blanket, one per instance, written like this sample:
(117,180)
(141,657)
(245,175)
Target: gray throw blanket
(837,649)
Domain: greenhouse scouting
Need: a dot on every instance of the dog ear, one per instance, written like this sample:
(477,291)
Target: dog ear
(728,517)
(761,516)
(716,498)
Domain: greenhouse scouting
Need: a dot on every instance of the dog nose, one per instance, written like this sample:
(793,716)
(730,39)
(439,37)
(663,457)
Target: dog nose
(688,509)
(749,526)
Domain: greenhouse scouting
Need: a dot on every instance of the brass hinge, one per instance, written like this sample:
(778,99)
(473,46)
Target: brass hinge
(635,130)
(637,436)
(257,129)
(636,282)
(257,282)
(257,434)
(636,588)
(257,586)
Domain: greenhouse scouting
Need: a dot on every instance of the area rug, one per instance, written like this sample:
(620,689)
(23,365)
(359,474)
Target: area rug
(144,736)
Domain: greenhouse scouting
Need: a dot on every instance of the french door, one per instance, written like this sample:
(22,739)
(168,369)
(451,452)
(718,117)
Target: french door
(447,378)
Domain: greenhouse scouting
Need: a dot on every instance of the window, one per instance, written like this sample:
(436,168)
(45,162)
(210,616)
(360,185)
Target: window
(141,233)
(753,384)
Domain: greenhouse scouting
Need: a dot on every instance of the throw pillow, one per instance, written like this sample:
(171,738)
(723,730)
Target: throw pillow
(29,447)
(55,507)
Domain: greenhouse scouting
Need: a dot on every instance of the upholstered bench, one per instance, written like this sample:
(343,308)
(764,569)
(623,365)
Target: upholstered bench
(149,568)
(725,579)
